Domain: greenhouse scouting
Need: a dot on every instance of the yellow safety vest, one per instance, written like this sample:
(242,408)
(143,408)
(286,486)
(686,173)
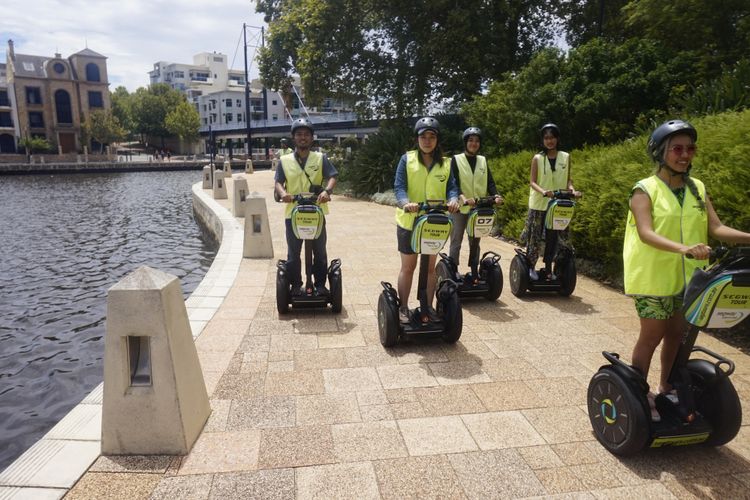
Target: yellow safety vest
(296,180)
(286,151)
(423,185)
(473,184)
(548,179)
(654,272)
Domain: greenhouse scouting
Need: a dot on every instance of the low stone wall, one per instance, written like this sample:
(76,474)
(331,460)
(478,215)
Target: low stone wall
(105,167)
(205,215)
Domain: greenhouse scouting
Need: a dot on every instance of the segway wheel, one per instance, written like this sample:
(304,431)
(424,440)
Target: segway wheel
(282,292)
(618,416)
(494,280)
(443,271)
(720,405)
(337,292)
(568,278)
(387,321)
(453,318)
(519,276)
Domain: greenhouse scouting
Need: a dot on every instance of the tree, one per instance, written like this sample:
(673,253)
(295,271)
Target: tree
(585,20)
(396,57)
(150,107)
(122,108)
(104,128)
(184,122)
(34,144)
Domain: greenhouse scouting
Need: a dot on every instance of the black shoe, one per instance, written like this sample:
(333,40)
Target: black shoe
(432,314)
(321,290)
(404,315)
(298,291)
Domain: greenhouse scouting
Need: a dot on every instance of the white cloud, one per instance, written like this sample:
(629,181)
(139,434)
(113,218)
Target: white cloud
(132,34)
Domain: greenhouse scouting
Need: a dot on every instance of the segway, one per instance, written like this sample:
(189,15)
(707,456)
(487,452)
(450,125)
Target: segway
(559,271)
(485,279)
(431,231)
(307,223)
(707,409)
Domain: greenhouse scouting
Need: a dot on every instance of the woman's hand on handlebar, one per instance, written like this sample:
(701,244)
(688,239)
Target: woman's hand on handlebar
(699,251)
(453,206)
(470,201)
(411,207)
(324,197)
(577,194)
(499,200)
(287,198)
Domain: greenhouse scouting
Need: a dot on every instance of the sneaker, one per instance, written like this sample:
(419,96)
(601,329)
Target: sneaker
(298,291)
(551,276)
(404,315)
(432,314)
(533,275)
(671,396)
(655,416)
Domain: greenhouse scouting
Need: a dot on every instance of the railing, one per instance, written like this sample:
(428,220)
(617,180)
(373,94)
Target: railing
(315,119)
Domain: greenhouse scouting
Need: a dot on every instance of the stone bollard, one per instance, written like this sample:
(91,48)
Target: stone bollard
(227,168)
(220,186)
(257,243)
(155,398)
(274,163)
(249,166)
(207,181)
(240,196)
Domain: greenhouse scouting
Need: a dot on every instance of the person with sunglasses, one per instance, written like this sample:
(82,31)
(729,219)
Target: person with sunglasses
(666,239)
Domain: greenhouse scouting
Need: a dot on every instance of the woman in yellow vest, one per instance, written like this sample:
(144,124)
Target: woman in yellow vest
(550,171)
(422,174)
(670,217)
(474,180)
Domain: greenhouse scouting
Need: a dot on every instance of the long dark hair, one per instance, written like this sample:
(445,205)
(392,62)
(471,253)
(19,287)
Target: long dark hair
(689,182)
(437,153)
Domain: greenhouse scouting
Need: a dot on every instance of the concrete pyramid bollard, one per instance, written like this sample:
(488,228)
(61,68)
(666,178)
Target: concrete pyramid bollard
(249,166)
(258,243)
(227,168)
(239,200)
(207,181)
(220,186)
(155,399)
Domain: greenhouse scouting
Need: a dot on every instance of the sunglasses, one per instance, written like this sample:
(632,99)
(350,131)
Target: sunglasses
(678,149)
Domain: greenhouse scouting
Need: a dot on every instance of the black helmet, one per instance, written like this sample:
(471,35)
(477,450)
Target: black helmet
(666,129)
(302,123)
(426,123)
(552,128)
(472,131)
(283,140)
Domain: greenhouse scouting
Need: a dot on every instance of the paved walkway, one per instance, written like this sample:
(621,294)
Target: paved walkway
(310,405)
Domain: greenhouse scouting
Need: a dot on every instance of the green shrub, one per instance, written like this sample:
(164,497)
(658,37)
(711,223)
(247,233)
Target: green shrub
(606,174)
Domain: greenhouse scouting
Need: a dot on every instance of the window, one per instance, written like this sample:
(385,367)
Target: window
(228,117)
(5,119)
(218,59)
(28,66)
(205,121)
(59,68)
(239,117)
(274,117)
(239,103)
(33,95)
(95,100)
(273,102)
(92,73)
(4,98)
(36,119)
(179,74)
(62,107)
(204,107)
(229,103)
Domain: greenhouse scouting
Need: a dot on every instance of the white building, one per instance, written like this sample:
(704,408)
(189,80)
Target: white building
(8,121)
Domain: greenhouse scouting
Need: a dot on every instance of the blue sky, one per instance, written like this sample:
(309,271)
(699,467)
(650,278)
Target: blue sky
(132,34)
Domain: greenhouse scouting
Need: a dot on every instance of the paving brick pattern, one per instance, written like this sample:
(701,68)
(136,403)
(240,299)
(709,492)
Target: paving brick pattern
(310,405)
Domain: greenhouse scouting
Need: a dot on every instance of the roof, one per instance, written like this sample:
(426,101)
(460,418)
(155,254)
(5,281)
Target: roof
(29,66)
(89,53)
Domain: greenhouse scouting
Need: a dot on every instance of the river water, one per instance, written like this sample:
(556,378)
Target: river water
(64,241)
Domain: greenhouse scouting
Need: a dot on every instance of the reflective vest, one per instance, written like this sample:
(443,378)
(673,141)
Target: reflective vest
(423,185)
(285,151)
(548,179)
(296,180)
(654,272)
(473,184)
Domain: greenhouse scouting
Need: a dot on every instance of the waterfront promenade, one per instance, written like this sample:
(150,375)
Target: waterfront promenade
(310,405)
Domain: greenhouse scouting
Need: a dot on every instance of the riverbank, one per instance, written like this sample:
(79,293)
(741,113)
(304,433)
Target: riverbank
(118,166)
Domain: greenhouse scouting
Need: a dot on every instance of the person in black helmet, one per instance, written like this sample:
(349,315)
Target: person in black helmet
(474,180)
(421,174)
(670,216)
(550,171)
(300,172)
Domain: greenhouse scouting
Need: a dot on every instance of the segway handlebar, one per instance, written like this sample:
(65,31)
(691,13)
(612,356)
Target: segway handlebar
(433,205)
(722,251)
(565,194)
(485,202)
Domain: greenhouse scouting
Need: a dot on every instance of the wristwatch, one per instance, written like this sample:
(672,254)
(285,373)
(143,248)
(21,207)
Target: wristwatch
(329,191)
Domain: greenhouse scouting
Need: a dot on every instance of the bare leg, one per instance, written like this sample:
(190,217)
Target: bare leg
(652,333)
(672,339)
(405,277)
(431,279)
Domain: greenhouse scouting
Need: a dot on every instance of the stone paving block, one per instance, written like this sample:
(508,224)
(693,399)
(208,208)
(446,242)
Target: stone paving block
(317,324)
(333,408)
(401,376)
(503,369)
(558,391)
(240,386)
(280,366)
(152,464)
(274,484)
(222,452)
(448,400)
(353,338)
(540,457)
(319,359)
(19,493)
(468,351)
(407,410)
(294,383)
(262,412)
(514,348)
(510,395)
(230,327)
(113,485)
(255,343)
(495,474)
(296,447)
(351,380)
(368,441)
(559,480)
(418,477)
(501,430)
(264,327)
(337,481)
(654,490)
(411,352)
(435,435)
(217,421)
(560,424)
(293,342)
(280,356)
(407,395)
(366,398)
(458,372)
(375,413)
(575,453)
(195,487)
